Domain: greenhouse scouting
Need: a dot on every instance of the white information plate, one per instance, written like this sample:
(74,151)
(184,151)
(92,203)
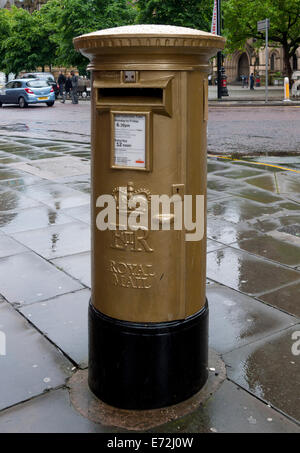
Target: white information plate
(130,140)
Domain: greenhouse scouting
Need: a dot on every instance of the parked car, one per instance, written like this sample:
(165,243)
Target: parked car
(27,91)
(43,76)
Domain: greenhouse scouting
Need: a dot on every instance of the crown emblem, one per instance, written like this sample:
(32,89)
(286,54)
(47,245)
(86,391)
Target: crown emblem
(123,195)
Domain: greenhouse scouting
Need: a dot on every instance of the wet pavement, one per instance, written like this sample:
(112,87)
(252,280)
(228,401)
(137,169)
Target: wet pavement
(253,271)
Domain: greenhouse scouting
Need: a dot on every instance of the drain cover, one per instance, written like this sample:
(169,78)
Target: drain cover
(291,229)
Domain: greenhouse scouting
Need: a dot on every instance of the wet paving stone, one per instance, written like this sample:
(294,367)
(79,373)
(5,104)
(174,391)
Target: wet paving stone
(82,213)
(260,196)
(213,245)
(12,159)
(49,413)
(227,232)
(31,219)
(11,200)
(9,246)
(272,248)
(290,206)
(238,173)
(231,410)
(31,365)
(55,167)
(213,165)
(236,320)
(221,184)
(276,222)
(78,266)
(287,299)
(24,181)
(36,281)
(269,370)
(247,273)
(34,154)
(279,183)
(64,320)
(237,210)
(56,241)
(56,196)
(7,173)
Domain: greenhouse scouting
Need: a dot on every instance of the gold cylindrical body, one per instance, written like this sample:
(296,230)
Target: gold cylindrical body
(153,276)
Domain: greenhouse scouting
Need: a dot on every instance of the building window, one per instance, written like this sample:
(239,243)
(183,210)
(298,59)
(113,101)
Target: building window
(295,62)
(273,62)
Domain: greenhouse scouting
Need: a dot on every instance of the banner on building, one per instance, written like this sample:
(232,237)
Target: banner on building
(214,20)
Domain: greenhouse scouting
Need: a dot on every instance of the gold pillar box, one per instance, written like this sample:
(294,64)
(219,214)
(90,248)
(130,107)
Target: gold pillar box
(149,114)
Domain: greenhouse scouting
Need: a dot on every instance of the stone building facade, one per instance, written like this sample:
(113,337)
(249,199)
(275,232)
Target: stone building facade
(251,60)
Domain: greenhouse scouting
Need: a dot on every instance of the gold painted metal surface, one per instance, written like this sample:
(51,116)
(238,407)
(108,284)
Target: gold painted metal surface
(153,276)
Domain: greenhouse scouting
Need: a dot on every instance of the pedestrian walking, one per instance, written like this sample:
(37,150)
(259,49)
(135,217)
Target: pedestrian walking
(252,81)
(244,79)
(74,81)
(67,90)
(61,83)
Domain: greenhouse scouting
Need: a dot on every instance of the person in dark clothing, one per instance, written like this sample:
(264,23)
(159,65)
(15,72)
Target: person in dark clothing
(61,83)
(68,87)
(252,81)
(74,81)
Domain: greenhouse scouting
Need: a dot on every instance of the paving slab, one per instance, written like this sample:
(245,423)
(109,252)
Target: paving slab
(279,183)
(236,319)
(247,273)
(56,196)
(214,165)
(12,200)
(260,196)
(54,167)
(27,278)
(231,410)
(273,248)
(64,320)
(32,219)
(269,369)
(227,232)
(223,184)
(78,266)
(287,299)
(82,213)
(213,245)
(31,365)
(49,413)
(237,210)
(238,173)
(57,240)
(9,246)
(7,174)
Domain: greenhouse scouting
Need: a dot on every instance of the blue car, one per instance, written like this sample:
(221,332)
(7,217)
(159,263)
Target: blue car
(27,91)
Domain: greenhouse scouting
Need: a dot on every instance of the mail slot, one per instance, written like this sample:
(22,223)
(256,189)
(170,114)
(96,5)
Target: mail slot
(148,316)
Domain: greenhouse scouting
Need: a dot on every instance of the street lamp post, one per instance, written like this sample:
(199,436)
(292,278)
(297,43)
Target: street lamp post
(219,54)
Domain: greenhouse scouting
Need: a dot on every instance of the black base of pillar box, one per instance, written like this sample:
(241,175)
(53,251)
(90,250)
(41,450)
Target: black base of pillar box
(150,365)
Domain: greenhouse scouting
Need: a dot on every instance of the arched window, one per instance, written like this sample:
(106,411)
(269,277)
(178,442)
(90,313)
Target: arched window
(295,62)
(273,62)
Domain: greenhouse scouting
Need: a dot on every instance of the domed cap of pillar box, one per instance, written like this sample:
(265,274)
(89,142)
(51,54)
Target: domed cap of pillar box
(148,39)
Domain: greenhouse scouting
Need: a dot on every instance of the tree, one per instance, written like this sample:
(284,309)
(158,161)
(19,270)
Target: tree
(5,24)
(26,44)
(240,19)
(71,18)
(193,13)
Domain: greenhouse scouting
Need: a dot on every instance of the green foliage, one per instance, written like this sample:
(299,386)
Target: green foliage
(25,42)
(72,18)
(193,13)
(241,17)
